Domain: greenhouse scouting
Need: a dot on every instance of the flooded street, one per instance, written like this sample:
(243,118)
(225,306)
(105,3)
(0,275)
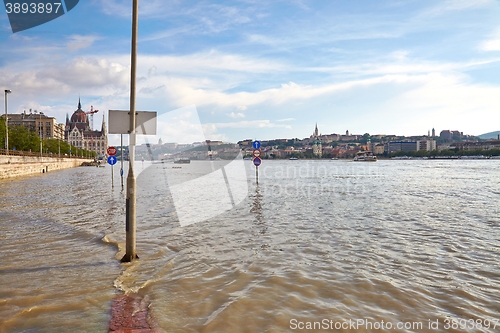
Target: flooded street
(405,243)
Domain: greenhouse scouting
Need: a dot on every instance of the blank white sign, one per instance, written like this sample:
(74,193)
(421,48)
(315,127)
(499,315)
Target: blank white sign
(119,122)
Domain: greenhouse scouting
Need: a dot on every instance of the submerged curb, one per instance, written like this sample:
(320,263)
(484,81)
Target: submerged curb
(130,313)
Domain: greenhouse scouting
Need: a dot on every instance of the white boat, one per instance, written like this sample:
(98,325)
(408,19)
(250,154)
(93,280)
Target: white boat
(365,156)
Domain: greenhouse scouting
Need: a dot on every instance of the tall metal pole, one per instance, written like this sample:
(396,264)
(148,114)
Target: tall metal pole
(41,134)
(121,158)
(7,91)
(130,223)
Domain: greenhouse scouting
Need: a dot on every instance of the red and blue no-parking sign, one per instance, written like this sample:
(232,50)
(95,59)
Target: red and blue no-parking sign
(257,161)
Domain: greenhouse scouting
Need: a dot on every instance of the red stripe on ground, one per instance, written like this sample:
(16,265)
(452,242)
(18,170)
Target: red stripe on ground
(129,314)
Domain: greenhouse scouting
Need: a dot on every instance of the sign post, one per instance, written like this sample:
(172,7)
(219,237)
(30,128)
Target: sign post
(112,162)
(121,158)
(256,159)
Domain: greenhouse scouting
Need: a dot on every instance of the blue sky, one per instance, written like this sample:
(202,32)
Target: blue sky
(268,69)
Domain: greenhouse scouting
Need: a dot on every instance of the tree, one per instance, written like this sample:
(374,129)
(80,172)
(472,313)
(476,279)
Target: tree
(365,138)
(22,139)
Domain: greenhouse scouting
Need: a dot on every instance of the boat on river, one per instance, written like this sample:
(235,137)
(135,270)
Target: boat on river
(183,160)
(365,156)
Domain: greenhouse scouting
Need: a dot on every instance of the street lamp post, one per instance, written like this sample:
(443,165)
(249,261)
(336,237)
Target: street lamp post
(7,91)
(40,128)
(130,209)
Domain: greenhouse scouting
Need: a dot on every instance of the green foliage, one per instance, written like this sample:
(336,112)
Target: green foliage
(365,138)
(23,140)
(2,132)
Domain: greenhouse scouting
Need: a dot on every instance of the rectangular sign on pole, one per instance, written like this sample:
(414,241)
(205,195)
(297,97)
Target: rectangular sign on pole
(119,122)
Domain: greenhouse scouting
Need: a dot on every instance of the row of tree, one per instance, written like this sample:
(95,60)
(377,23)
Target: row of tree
(22,139)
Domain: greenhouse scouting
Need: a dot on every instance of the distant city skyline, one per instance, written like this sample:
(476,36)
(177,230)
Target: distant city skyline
(259,70)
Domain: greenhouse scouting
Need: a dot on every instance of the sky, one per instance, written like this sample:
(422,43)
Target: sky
(264,70)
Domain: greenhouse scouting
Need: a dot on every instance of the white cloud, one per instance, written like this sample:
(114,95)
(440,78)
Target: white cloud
(446,102)
(457,5)
(213,62)
(88,73)
(402,65)
(491,45)
(77,42)
(122,8)
(236,115)
(266,123)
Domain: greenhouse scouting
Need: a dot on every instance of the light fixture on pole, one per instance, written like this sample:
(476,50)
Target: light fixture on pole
(7,91)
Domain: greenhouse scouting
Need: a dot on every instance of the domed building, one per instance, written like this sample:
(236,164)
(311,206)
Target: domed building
(79,134)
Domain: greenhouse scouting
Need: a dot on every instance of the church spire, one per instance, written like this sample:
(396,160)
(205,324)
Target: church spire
(79,104)
(103,126)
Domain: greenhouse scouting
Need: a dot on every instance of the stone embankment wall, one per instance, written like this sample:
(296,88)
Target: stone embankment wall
(15,166)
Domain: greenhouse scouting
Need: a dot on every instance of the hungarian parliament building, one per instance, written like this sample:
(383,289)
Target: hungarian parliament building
(78,133)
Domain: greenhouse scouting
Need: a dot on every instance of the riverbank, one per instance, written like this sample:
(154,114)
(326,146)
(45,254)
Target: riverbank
(17,166)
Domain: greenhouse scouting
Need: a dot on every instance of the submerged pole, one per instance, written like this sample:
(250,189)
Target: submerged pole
(121,158)
(130,209)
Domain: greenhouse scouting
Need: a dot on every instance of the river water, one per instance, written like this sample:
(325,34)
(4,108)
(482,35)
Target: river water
(391,246)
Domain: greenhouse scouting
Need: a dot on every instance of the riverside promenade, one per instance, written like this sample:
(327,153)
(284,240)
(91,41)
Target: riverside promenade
(18,163)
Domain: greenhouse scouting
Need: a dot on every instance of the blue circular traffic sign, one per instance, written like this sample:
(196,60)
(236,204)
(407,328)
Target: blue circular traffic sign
(256,144)
(112,160)
(257,161)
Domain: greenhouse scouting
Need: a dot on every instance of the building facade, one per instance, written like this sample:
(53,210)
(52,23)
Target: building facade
(78,133)
(482,145)
(427,145)
(46,127)
(407,146)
